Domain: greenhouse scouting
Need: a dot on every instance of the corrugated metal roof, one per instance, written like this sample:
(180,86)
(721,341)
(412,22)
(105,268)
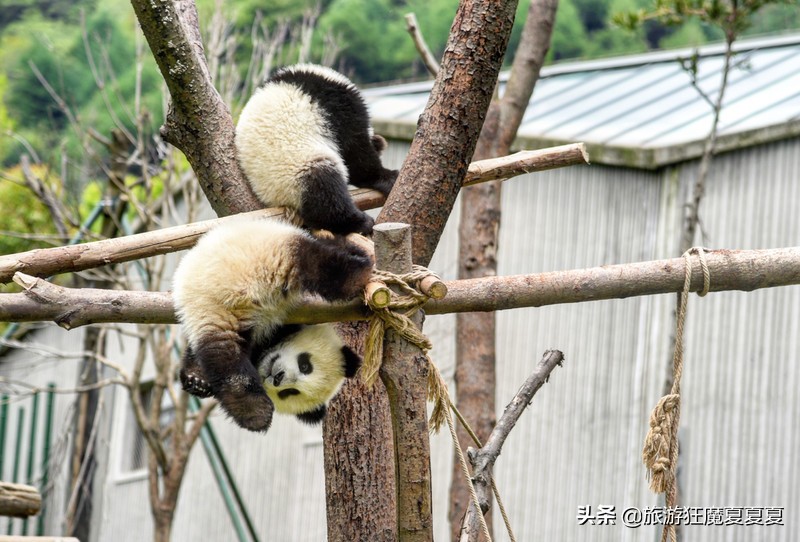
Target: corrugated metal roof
(642,103)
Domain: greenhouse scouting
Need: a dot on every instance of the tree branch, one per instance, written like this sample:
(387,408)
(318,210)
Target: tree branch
(198,123)
(19,500)
(743,270)
(404,372)
(50,261)
(449,127)
(419,42)
(484,458)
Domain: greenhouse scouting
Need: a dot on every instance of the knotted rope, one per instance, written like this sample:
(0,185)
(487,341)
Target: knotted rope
(660,452)
(396,314)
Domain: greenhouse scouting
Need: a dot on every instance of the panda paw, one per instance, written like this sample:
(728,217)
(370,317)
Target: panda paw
(194,384)
(250,408)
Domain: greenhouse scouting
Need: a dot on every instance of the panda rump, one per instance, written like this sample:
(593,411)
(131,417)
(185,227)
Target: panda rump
(302,137)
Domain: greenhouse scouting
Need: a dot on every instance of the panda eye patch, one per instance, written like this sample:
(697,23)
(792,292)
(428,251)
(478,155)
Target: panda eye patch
(304,363)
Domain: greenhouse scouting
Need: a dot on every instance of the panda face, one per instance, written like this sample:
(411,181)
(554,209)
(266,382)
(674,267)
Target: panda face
(304,371)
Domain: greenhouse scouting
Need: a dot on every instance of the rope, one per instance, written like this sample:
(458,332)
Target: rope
(396,314)
(462,460)
(660,451)
(495,491)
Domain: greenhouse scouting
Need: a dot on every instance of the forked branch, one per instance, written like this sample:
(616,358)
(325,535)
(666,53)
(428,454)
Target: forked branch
(483,459)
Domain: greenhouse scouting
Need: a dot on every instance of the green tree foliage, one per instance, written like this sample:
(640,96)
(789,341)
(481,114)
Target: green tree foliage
(91,65)
(56,10)
(28,216)
(367,31)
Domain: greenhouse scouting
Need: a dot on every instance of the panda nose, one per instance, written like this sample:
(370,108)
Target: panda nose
(278,378)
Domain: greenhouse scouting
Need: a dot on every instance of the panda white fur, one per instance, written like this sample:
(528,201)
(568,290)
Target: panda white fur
(303,367)
(232,292)
(302,137)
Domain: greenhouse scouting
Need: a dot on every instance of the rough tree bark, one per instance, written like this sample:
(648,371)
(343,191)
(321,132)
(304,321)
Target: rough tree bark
(432,173)
(198,122)
(405,375)
(478,246)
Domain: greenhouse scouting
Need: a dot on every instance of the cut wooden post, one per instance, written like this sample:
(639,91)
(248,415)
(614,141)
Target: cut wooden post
(19,500)
(379,295)
(432,286)
(405,374)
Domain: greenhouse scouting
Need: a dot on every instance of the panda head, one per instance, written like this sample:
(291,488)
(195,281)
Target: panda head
(303,372)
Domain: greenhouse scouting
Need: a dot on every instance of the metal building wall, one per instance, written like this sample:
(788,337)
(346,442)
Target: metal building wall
(580,442)
(37,366)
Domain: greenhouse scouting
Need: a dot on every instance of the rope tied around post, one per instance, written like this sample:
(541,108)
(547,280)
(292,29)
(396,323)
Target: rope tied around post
(660,451)
(394,310)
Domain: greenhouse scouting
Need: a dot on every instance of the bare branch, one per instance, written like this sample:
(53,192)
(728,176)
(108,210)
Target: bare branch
(30,389)
(45,195)
(522,162)
(199,123)
(72,308)
(419,42)
(50,261)
(743,270)
(484,458)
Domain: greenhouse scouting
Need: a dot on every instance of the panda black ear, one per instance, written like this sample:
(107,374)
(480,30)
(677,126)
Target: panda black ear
(378,143)
(352,362)
(313,417)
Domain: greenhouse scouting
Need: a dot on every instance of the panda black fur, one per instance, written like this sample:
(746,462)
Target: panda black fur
(301,367)
(302,137)
(232,293)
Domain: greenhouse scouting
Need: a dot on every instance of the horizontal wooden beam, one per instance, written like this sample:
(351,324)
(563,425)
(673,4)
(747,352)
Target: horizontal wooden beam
(743,270)
(68,259)
(19,500)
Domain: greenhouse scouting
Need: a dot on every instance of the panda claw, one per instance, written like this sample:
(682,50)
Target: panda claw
(195,385)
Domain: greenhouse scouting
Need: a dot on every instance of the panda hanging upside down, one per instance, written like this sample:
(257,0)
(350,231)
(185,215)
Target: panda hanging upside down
(232,293)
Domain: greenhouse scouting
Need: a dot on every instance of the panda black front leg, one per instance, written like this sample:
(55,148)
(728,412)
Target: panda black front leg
(235,382)
(326,202)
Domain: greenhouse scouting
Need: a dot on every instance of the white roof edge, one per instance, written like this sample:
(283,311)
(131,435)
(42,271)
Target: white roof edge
(632,157)
(572,66)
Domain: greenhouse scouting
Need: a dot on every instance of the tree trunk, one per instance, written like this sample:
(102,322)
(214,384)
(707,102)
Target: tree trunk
(475,375)
(432,173)
(359,457)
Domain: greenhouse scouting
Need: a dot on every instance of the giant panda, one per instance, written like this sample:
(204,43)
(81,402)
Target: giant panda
(301,138)
(302,368)
(232,293)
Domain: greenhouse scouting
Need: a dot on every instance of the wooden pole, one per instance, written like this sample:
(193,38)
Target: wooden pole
(405,374)
(19,500)
(44,262)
